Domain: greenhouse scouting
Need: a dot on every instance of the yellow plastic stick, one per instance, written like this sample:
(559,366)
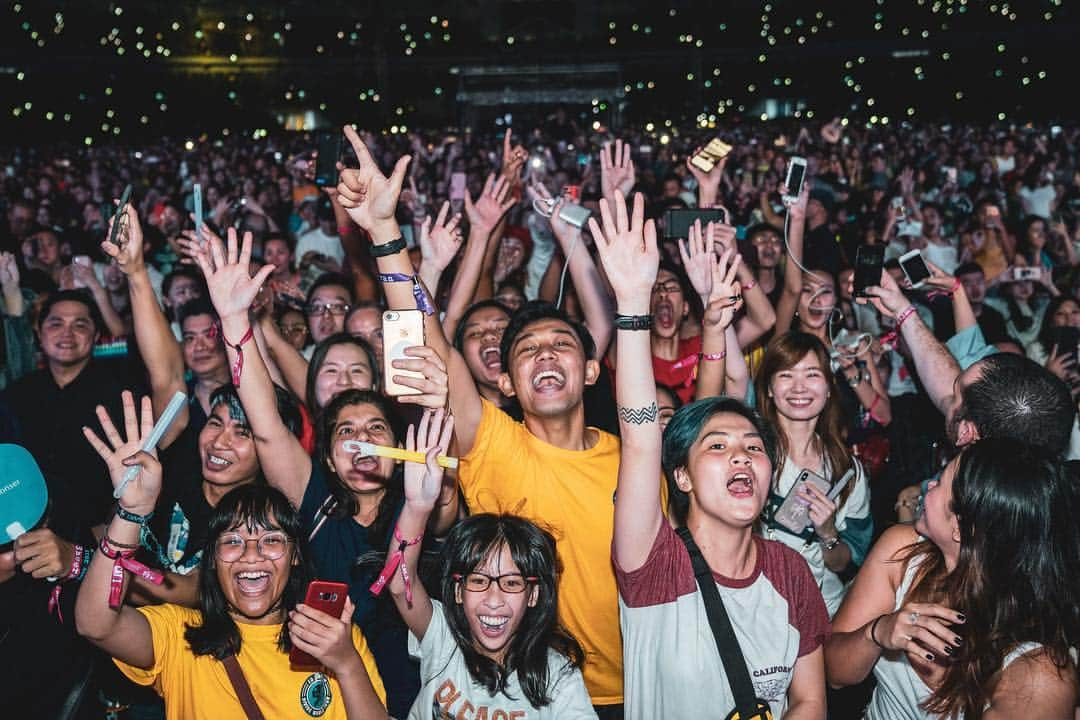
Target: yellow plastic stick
(366,448)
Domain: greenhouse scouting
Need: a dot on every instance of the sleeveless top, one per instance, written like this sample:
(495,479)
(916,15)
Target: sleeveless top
(899,688)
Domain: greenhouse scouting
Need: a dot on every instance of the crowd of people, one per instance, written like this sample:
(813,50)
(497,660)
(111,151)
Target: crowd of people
(671,461)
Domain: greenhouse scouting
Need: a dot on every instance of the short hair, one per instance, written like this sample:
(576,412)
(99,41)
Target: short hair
(287,407)
(969,268)
(1019,399)
(181,271)
(193,307)
(533,312)
(331,278)
(283,237)
(80,296)
(459,331)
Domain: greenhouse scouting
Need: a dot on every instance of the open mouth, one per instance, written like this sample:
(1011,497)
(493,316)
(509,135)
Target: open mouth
(548,380)
(664,314)
(741,485)
(365,463)
(800,402)
(253,582)
(217,463)
(490,357)
(493,625)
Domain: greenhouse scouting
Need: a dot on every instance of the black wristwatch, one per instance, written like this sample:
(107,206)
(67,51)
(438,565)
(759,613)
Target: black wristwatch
(633,322)
(391,248)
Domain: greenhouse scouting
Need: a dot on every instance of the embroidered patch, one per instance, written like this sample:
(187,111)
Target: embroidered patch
(315,695)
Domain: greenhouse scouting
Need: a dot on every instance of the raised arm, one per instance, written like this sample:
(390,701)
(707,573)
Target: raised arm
(793,279)
(291,365)
(616,170)
(439,244)
(590,287)
(628,251)
(708,182)
(157,345)
(232,290)
(423,487)
(122,631)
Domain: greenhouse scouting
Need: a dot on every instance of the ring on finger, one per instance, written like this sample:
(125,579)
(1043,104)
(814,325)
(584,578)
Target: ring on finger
(913,618)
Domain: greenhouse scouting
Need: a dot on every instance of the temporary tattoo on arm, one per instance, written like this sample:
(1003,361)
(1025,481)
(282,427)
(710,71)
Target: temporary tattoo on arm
(638,416)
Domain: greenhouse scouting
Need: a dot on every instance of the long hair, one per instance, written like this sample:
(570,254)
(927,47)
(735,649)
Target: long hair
(253,506)
(784,352)
(318,358)
(344,501)
(533,550)
(1015,578)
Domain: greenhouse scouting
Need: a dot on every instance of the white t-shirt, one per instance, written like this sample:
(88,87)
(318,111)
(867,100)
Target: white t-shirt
(320,242)
(1037,201)
(448,690)
(944,256)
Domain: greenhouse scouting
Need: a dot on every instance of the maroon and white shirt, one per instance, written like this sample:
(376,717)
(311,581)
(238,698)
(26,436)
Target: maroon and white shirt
(671,665)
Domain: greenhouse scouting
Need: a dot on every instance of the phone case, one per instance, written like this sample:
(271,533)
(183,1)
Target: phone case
(325,596)
(792,514)
(401,329)
(457,186)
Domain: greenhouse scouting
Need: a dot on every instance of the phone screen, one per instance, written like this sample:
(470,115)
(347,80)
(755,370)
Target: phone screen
(677,222)
(915,269)
(796,171)
(329,147)
(457,186)
(868,262)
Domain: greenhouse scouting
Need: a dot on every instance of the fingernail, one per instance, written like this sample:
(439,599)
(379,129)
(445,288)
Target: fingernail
(930,656)
(948,650)
(960,617)
(957,640)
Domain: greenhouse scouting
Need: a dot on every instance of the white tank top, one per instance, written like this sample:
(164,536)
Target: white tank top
(899,688)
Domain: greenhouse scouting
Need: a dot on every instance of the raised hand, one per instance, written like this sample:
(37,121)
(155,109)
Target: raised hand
(513,159)
(797,208)
(423,484)
(696,252)
(941,280)
(616,169)
(9,272)
(190,242)
(326,638)
(439,243)
(886,297)
(120,453)
(128,248)
(725,299)
(493,202)
(228,275)
(367,195)
(709,182)
(628,250)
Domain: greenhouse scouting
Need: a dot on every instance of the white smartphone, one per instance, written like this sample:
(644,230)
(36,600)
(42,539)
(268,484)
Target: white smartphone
(1026,273)
(796,173)
(915,269)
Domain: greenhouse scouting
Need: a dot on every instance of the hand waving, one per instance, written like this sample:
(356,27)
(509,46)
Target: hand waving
(423,483)
(228,276)
(726,296)
(695,252)
(616,169)
(628,250)
(439,243)
(367,195)
(119,454)
(491,205)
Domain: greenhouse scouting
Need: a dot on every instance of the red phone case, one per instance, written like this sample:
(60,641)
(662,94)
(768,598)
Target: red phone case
(325,596)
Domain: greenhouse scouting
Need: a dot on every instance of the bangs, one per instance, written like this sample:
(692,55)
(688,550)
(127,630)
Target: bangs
(227,396)
(252,508)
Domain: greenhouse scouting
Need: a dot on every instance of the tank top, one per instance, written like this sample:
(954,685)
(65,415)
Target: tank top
(899,688)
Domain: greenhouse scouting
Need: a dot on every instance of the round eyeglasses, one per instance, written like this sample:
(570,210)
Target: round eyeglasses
(271,546)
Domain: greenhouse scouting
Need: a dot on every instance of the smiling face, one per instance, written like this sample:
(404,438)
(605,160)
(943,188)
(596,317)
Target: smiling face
(494,615)
(326,311)
(548,369)
(227,451)
(817,300)
(204,353)
(728,473)
(480,344)
(345,366)
(667,305)
(1067,314)
(67,333)
(801,391)
(362,474)
(251,582)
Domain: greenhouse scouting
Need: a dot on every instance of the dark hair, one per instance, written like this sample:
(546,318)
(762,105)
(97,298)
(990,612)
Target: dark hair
(330,278)
(783,353)
(80,296)
(469,543)
(1023,245)
(253,506)
(185,271)
(194,307)
(1016,508)
(968,268)
(344,500)
(459,331)
(287,407)
(535,311)
(1046,331)
(1017,398)
(683,431)
(318,357)
(283,237)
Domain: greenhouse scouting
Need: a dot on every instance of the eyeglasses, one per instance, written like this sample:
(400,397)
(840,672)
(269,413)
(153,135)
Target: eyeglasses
(513,583)
(271,546)
(320,309)
(668,288)
(297,329)
(767,239)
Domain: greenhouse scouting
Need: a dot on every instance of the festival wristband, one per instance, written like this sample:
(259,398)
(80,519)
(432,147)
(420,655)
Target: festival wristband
(391,248)
(750,285)
(125,560)
(392,563)
(238,366)
(904,315)
(132,517)
(713,356)
(422,302)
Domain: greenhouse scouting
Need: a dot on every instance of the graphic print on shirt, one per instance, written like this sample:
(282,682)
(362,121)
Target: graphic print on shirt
(315,695)
(179,534)
(446,706)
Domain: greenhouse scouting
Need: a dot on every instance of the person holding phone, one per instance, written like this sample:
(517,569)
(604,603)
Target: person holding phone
(971,612)
(252,580)
(346,501)
(797,393)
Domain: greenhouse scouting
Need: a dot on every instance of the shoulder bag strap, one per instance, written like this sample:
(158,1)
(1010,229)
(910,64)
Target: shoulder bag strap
(742,688)
(243,690)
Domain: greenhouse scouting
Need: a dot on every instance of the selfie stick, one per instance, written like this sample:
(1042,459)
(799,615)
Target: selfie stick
(151,441)
(366,448)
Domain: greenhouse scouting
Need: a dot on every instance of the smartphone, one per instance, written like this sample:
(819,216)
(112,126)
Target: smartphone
(796,173)
(325,596)
(678,221)
(457,186)
(792,514)
(329,148)
(574,214)
(1020,274)
(83,260)
(706,158)
(869,260)
(1065,339)
(118,212)
(197,191)
(401,329)
(914,267)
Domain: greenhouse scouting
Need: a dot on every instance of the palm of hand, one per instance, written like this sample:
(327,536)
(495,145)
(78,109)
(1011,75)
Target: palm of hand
(232,289)
(422,488)
(721,308)
(699,271)
(439,244)
(486,212)
(622,178)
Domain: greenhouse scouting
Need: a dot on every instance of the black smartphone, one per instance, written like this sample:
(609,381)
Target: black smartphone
(869,260)
(329,147)
(1065,338)
(125,198)
(678,221)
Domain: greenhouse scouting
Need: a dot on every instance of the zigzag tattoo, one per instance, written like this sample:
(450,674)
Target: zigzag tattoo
(638,416)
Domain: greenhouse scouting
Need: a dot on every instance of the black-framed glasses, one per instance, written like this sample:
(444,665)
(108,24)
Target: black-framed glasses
(320,309)
(513,583)
(271,546)
(668,288)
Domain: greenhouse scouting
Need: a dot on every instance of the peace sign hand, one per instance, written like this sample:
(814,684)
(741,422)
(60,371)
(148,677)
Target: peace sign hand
(367,195)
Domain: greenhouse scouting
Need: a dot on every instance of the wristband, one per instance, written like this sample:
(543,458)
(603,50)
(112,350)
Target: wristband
(392,563)
(750,285)
(132,517)
(633,322)
(830,543)
(422,302)
(873,627)
(904,315)
(124,560)
(713,356)
(238,366)
(78,569)
(344,229)
(391,248)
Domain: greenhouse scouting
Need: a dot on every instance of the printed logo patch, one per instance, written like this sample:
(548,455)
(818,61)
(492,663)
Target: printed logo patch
(315,695)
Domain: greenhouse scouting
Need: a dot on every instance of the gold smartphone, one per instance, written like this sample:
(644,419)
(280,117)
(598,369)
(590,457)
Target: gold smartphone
(706,158)
(401,329)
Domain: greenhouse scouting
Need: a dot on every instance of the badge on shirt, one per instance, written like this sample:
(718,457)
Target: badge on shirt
(315,695)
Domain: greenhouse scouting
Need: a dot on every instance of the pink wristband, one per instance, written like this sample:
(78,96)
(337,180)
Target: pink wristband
(750,285)
(713,356)
(904,315)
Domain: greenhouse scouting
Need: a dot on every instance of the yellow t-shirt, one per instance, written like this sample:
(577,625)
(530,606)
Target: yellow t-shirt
(571,495)
(197,687)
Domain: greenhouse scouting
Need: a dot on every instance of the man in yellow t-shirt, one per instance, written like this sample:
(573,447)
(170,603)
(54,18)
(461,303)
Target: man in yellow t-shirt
(197,687)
